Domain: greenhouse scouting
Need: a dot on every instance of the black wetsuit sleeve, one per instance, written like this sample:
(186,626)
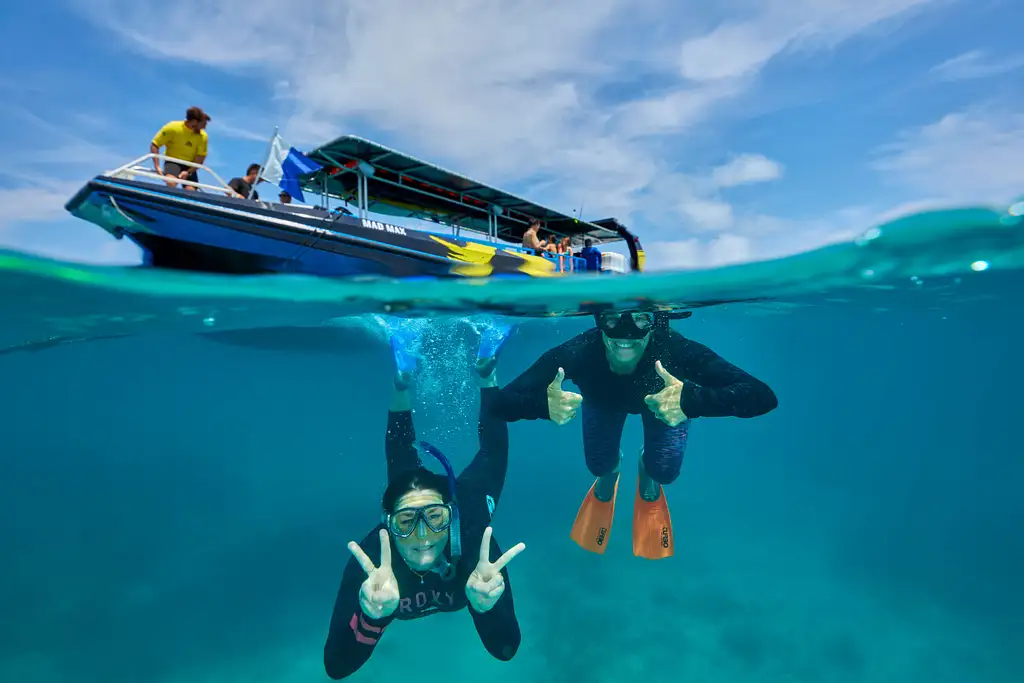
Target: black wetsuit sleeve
(498,627)
(399,448)
(485,474)
(719,388)
(353,635)
(526,397)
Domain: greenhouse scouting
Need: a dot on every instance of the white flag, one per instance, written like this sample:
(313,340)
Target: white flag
(272,171)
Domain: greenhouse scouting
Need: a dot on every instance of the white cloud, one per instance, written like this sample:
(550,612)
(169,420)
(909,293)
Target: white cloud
(974,65)
(741,47)
(745,169)
(33,204)
(502,90)
(34,221)
(970,155)
(760,239)
(730,51)
(707,214)
(229,130)
(725,249)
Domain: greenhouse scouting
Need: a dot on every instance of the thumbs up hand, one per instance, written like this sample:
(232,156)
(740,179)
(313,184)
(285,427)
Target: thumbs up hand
(562,405)
(667,403)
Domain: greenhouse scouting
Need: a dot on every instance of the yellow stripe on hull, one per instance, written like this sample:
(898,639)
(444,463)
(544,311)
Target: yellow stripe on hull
(536,266)
(477,259)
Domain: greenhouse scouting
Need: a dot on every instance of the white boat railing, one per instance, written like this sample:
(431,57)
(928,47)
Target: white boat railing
(135,168)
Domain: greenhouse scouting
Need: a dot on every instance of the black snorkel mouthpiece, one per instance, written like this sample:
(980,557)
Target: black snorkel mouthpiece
(454,530)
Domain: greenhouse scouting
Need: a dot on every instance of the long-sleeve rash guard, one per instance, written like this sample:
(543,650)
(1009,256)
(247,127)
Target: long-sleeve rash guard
(353,635)
(712,387)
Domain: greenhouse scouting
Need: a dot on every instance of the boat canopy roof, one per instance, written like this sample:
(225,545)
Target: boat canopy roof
(400,185)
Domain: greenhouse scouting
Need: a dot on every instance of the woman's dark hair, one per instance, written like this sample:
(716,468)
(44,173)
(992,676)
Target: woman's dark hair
(418,479)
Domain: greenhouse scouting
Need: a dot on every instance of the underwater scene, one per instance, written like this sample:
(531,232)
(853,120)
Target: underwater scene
(188,457)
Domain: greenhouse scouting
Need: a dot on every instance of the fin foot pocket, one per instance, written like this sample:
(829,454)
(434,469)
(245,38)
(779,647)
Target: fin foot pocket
(593,525)
(403,341)
(492,338)
(653,538)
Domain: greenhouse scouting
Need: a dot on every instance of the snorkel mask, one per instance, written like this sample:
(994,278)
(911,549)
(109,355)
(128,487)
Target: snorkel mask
(625,325)
(446,516)
(635,324)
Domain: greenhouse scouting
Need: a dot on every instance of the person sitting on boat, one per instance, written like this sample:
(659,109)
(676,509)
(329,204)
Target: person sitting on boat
(531,240)
(632,363)
(241,187)
(184,140)
(429,521)
(284,197)
(564,250)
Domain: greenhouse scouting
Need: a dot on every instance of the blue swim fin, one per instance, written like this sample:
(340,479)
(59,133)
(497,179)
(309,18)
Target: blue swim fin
(492,338)
(402,341)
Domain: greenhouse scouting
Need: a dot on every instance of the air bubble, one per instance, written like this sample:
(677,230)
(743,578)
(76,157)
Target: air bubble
(979,266)
(867,273)
(209,321)
(868,235)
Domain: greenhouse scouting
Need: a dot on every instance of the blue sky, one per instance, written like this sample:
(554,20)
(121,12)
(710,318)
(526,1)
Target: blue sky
(721,132)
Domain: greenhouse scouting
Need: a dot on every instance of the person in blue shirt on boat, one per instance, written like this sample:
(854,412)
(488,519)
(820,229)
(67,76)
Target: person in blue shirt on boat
(590,254)
(433,550)
(632,363)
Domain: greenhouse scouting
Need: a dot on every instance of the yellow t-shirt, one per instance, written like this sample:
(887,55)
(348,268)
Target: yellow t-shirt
(181,141)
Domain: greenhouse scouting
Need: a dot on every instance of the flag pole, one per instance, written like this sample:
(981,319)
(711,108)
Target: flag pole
(266,160)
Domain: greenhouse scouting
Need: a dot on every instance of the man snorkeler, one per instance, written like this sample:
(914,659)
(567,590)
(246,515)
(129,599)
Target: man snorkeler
(632,363)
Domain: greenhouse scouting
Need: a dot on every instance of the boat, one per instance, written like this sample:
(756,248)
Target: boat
(475,230)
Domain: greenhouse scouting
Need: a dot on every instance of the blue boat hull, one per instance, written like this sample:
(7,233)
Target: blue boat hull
(206,232)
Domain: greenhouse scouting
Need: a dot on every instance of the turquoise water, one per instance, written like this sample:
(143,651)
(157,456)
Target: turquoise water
(177,493)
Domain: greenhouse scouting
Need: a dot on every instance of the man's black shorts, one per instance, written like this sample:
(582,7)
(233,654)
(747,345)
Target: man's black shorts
(175,169)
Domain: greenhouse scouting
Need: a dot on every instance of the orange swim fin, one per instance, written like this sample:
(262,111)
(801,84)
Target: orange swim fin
(652,527)
(593,524)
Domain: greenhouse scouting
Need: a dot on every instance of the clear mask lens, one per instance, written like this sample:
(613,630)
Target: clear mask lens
(437,517)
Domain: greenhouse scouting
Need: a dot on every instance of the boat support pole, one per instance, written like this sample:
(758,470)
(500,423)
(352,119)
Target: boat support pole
(493,212)
(363,171)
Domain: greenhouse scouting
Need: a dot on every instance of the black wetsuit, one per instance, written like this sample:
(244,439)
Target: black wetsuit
(712,387)
(353,635)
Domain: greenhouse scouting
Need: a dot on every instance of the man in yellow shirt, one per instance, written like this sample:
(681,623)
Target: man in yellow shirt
(185,140)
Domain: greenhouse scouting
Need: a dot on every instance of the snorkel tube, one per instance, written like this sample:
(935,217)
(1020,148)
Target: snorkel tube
(454,533)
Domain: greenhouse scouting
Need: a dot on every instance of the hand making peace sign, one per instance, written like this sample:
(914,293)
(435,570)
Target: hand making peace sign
(378,596)
(486,584)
